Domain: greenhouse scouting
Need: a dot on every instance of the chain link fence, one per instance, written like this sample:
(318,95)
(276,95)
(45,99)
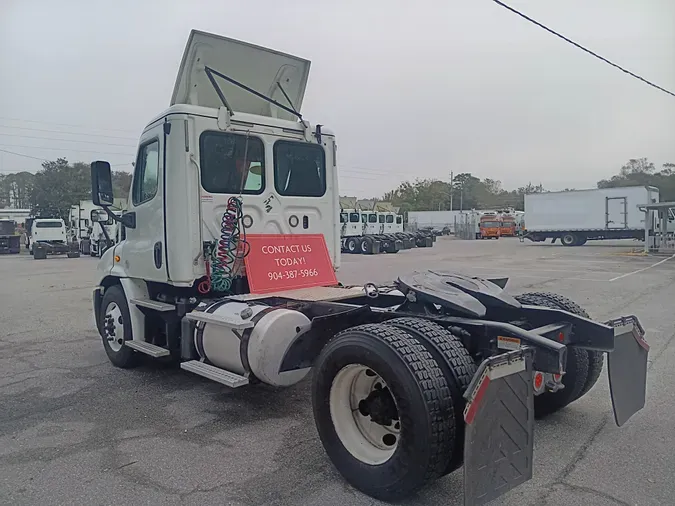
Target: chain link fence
(466,226)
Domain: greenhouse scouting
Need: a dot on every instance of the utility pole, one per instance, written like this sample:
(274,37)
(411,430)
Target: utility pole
(452,176)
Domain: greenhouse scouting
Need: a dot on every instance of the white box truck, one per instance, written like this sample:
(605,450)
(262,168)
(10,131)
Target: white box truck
(578,216)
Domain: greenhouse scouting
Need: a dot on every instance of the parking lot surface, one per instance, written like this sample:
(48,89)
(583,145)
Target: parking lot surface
(74,430)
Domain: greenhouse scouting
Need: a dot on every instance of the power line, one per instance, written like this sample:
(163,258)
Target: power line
(68,140)
(21,154)
(66,124)
(67,133)
(73,150)
(570,41)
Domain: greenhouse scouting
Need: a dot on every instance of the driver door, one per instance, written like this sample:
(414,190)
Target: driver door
(144,251)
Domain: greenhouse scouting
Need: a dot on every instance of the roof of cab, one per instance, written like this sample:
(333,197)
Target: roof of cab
(210,112)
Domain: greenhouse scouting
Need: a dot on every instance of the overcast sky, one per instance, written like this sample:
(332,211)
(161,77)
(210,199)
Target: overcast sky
(412,89)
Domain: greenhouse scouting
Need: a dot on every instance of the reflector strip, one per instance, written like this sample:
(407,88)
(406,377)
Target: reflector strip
(472,406)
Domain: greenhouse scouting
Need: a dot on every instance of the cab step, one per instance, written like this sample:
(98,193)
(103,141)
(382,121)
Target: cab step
(153,304)
(213,373)
(147,348)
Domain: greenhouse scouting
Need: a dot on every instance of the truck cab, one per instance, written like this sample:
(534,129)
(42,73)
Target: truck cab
(218,140)
(490,226)
(47,230)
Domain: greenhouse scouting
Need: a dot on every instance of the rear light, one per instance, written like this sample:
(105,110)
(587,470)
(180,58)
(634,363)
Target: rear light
(538,381)
(557,378)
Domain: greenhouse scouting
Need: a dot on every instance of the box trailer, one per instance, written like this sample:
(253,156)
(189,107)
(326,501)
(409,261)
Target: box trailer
(577,216)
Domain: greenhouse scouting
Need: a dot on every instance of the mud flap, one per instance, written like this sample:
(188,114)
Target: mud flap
(499,434)
(627,368)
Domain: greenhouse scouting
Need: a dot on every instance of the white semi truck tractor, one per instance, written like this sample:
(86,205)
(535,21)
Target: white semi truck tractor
(408,378)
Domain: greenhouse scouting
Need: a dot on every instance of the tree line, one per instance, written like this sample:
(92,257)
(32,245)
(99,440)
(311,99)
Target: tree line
(59,184)
(54,188)
(469,192)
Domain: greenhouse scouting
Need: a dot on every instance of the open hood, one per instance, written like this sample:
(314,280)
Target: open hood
(255,67)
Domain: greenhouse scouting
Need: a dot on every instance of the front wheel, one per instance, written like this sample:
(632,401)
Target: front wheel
(383,411)
(115,328)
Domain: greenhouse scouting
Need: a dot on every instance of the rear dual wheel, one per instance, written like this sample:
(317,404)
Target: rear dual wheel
(386,406)
(583,366)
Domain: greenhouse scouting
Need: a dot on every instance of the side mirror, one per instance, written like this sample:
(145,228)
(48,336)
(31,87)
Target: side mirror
(101,184)
(98,216)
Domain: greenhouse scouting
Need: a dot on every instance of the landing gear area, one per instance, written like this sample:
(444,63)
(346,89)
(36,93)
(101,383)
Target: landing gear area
(406,380)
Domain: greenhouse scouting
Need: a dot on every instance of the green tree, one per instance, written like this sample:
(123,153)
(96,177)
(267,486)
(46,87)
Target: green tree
(58,186)
(16,189)
(642,172)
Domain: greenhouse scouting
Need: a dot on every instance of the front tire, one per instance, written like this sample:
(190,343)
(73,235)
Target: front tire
(396,459)
(115,328)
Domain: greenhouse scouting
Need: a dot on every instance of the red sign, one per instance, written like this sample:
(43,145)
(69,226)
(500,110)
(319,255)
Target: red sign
(287,262)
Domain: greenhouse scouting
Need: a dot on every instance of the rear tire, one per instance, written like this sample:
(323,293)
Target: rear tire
(569,240)
(421,401)
(458,368)
(115,328)
(366,245)
(351,245)
(596,359)
(576,373)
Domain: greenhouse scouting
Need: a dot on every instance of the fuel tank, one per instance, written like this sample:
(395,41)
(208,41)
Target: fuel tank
(255,351)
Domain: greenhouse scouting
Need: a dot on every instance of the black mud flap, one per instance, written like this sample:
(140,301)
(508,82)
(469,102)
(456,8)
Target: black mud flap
(627,368)
(499,434)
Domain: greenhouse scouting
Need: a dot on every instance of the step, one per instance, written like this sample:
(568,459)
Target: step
(147,348)
(153,304)
(235,323)
(213,373)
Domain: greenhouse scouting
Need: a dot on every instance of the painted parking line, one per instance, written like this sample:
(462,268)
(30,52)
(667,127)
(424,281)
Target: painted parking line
(643,269)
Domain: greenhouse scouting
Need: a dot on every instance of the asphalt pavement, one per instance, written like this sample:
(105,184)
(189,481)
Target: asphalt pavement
(74,430)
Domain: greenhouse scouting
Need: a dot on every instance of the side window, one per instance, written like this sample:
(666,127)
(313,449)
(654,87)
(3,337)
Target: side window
(390,218)
(146,175)
(299,169)
(399,220)
(364,218)
(232,163)
(381,218)
(343,217)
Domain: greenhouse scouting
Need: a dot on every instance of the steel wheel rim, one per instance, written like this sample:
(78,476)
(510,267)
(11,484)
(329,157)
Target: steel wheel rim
(113,327)
(369,442)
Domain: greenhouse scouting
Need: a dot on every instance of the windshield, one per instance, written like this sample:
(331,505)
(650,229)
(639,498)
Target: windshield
(232,163)
(299,169)
(354,218)
(6,227)
(390,218)
(372,218)
(489,224)
(49,224)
